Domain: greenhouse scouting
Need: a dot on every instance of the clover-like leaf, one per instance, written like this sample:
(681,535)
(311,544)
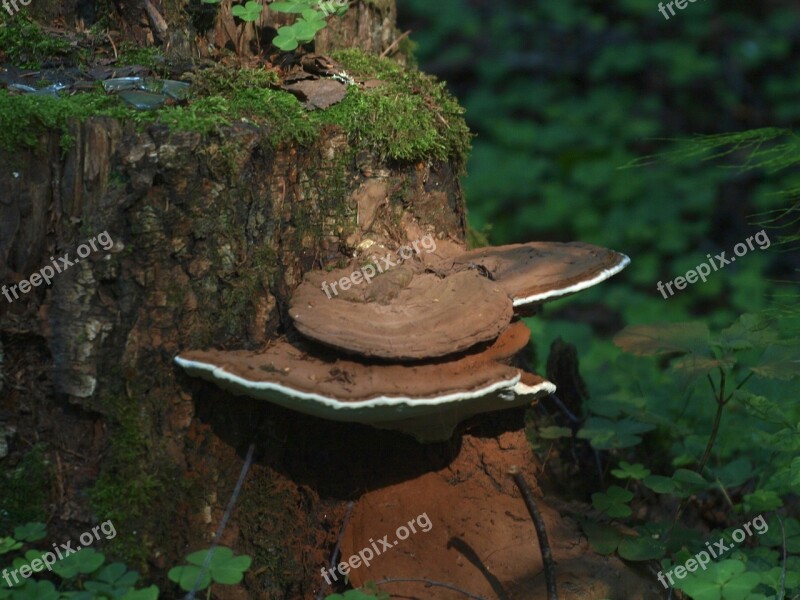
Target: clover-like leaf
(603,538)
(293,6)
(149,593)
(8,544)
(630,471)
(30,532)
(187,575)
(36,590)
(689,482)
(613,502)
(82,562)
(726,580)
(286,40)
(248,12)
(224,567)
(642,547)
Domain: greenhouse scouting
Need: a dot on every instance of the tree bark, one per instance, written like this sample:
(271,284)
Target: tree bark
(210,235)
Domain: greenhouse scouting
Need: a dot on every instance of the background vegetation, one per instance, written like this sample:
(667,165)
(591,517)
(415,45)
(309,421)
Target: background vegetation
(567,98)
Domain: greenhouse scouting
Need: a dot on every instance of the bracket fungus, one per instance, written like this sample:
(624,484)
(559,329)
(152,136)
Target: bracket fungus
(426,346)
(538,271)
(416,316)
(424,400)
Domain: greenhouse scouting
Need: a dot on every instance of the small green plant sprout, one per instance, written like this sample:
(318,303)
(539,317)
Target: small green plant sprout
(224,568)
(248,12)
(83,574)
(614,502)
(628,471)
(310,22)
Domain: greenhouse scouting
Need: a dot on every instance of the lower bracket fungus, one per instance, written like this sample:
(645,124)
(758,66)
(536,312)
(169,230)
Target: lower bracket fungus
(423,400)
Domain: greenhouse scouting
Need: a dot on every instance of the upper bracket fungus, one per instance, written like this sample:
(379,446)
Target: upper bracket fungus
(538,271)
(416,316)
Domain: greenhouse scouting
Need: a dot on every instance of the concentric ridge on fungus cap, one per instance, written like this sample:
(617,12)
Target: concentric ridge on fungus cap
(417,316)
(424,400)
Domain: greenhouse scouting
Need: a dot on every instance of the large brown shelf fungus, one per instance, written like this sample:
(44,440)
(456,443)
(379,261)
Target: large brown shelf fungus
(404,314)
(424,400)
(419,347)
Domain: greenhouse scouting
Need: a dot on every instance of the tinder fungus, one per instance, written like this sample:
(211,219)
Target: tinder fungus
(424,400)
(415,347)
(538,271)
(403,314)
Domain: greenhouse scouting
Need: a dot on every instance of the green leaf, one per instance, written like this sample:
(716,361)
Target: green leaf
(83,562)
(613,502)
(30,532)
(290,7)
(762,501)
(314,15)
(186,576)
(36,590)
(150,593)
(647,340)
(644,547)
(249,12)
(224,568)
(659,484)
(605,434)
(8,544)
(630,471)
(554,433)
(689,482)
(603,538)
(779,362)
(304,31)
(285,40)
(749,331)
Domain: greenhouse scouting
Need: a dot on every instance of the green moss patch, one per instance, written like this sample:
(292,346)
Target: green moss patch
(410,117)
(23,43)
(127,491)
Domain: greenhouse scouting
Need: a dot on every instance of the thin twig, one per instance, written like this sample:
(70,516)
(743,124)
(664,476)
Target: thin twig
(386,52)
(113,45)
(782,593)
(332,564)
(541,532)
(222,524)
(428,582)
(160,26)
